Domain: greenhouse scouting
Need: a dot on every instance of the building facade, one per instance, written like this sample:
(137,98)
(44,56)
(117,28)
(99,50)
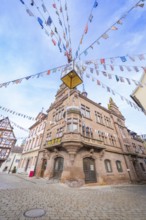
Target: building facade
(11,163)
(30,150)
(85,143)
(7,139)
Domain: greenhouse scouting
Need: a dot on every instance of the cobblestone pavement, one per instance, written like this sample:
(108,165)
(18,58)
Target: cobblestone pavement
(18,194)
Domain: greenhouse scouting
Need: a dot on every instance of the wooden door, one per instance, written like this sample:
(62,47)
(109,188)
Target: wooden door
(58,167)
(89,170)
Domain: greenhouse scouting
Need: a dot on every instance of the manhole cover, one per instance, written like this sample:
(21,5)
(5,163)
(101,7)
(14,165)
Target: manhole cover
(34,213)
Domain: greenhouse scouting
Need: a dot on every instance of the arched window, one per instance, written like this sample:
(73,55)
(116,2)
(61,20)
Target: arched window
(108,166)
(119,166)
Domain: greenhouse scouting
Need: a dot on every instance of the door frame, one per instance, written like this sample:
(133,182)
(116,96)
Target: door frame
(95,175)
(54,173)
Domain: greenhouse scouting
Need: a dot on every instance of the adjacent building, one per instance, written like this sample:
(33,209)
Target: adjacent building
(7,139)
(84,142)
(11,163)
(138,94)
(33,142)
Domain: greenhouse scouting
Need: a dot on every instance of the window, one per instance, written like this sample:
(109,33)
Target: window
(99,118)
(87,131)
(119,166)
(58,115)
(59,132)
(3,152)
(85,111)
(112,140)
(102,137)
(108,166)
(142,167)
(107,121)
(122,132)
(49,136)
(72,124)
(141,150)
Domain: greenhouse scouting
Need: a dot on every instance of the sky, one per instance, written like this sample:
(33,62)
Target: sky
(25,50)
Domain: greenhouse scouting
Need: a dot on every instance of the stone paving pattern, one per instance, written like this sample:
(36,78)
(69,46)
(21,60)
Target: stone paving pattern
(17,194)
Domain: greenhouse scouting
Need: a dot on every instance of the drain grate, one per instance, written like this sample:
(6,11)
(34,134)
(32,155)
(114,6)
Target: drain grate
(34,213)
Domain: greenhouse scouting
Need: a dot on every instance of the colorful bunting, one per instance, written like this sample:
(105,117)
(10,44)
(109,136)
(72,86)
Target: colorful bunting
(112,27)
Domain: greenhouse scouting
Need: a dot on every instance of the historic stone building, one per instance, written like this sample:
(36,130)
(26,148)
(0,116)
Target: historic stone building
(7,139)
(33,142)
(87,143)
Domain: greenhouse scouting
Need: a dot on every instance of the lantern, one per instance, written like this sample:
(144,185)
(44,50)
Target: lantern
(71,76)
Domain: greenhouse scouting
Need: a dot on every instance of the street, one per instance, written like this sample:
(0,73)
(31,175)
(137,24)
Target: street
(19,194)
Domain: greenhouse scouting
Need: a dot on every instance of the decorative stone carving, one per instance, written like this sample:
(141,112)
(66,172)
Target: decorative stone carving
(101,154)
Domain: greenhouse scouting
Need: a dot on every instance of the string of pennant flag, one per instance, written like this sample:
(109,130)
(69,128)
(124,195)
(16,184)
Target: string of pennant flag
(89,20)
(123,58)
(16,125)
(65,28)
(46,23)
(114,27)
(113,92)
(37,75)
(16,113)
(117,77)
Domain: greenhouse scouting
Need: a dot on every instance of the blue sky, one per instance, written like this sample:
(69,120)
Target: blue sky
(25,50)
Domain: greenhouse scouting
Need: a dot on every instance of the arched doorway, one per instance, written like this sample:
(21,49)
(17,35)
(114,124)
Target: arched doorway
(58,167)
(89,170)
(44,165)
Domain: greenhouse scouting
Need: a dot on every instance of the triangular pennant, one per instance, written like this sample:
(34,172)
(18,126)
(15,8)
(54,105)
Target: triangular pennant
(102,61)
(136,68)
(29,12)
(49,21)
(141,57)
(119,22)
(44,8)
(105,36)
(131,58)
(95,4)
(114,28)
(86,29)
(90,17)
(112,68)
(98,82)
(40,22)
(123,59)
(121,68)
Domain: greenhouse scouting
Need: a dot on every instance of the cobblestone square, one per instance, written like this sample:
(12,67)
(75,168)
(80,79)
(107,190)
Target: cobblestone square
(19,194)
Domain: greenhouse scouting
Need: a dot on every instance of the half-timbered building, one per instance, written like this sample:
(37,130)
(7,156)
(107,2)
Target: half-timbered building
(7,139)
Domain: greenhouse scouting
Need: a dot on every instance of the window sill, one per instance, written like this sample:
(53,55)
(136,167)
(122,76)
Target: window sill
(100,123)
(87,118)
(110,174)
